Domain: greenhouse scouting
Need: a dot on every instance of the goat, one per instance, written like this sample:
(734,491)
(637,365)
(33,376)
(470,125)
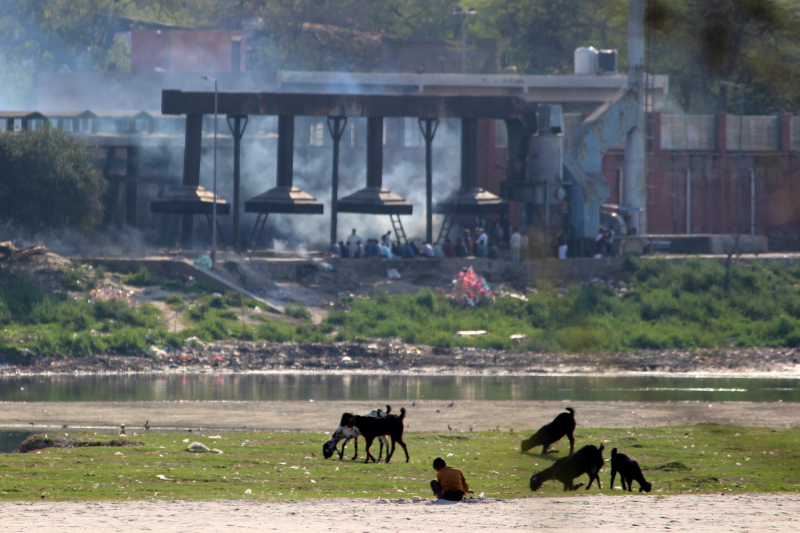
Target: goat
(628,471)
(563,424)
(391,425)
(349,432)
(587,460)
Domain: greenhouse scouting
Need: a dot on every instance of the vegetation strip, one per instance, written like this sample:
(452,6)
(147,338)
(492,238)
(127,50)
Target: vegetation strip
(656,305)
(676,460)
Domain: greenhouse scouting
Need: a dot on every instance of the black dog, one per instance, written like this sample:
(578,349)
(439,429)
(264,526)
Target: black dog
(628,471)
(587,460)
(563,424)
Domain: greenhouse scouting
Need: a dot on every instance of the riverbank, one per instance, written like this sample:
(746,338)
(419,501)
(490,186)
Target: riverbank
(394,356)
(709,513)
(424,415)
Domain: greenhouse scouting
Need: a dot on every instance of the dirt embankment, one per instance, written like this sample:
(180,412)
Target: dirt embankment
(390,356)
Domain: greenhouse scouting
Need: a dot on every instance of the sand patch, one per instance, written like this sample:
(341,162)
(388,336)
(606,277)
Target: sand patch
(711,513)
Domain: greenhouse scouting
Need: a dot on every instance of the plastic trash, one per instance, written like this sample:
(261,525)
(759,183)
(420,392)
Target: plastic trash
(204,262)
(163,477)
(325,266)
(248,491)
(476,333)
(197,447)
(392,273)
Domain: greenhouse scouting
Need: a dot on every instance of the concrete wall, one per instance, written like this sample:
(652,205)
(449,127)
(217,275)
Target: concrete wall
(438,271)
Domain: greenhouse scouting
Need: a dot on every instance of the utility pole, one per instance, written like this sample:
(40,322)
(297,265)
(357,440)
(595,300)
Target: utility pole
(459,12)
(214,186)
(739,155)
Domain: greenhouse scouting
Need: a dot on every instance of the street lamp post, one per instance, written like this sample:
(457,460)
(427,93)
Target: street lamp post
(459,12)
(739,157)
(214,183)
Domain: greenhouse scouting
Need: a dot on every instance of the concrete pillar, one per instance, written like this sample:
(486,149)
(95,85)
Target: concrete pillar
(469,153)
(635,188)
(132,187)
(191,168)
(375,152)
(285,151)
(191,154)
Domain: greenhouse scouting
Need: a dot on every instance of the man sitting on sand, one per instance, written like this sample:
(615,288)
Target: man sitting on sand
(449,483)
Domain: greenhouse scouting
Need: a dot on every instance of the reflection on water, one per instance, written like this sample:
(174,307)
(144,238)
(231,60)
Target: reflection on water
(286,387)
(10,439)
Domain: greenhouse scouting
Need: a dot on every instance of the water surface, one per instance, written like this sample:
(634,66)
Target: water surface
(303,387)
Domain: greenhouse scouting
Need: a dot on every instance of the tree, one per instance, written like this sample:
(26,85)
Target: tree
(752,42)
(48,182)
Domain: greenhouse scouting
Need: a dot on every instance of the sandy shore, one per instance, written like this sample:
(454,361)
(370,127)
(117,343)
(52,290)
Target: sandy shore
(711,513)
(426,415)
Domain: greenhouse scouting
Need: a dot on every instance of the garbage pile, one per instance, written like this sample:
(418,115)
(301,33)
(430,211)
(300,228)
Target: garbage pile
(109,292)
(471,289)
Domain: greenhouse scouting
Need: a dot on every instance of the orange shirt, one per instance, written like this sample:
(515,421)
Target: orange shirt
(452,479)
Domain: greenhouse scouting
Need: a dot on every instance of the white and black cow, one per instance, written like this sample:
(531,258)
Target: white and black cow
(351,432)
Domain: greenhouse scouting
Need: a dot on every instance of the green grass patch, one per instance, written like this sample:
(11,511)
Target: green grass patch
(699,304)
(676,460)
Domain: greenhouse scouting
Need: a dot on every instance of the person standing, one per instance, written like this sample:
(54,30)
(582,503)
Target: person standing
(387,238)
(572,242)
(599,243)
(352,239)
(514,243)
(449,248)
(450,483)
(461,249)
(562,245)
(483,238)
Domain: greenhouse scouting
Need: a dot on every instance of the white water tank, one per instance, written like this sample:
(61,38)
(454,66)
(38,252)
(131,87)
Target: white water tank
(585,61)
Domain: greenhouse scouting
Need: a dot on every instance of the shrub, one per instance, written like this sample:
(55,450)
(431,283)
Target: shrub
(297,311)
(143,278)
(73,279)
(174,300)
(426,299)
(217,302)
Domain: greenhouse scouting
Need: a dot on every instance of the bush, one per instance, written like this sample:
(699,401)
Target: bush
(297,311)
(143,278)
(73,279)
(174,300)
(217,302)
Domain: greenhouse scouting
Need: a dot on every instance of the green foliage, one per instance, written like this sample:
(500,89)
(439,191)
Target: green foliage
(142,278)
(174,300)
(700,42)
(48,182)
(697,304)
(297,311)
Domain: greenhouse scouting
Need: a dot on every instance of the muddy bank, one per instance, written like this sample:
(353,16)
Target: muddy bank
(387,356)
(422,415)
(40,442)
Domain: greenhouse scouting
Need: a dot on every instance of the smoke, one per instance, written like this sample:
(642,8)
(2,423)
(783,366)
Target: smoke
(404,174)
(161,156)
(123,241)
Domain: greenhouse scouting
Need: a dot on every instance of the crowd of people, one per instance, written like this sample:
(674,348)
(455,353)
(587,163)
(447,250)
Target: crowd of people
(495,241)
(475,241)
